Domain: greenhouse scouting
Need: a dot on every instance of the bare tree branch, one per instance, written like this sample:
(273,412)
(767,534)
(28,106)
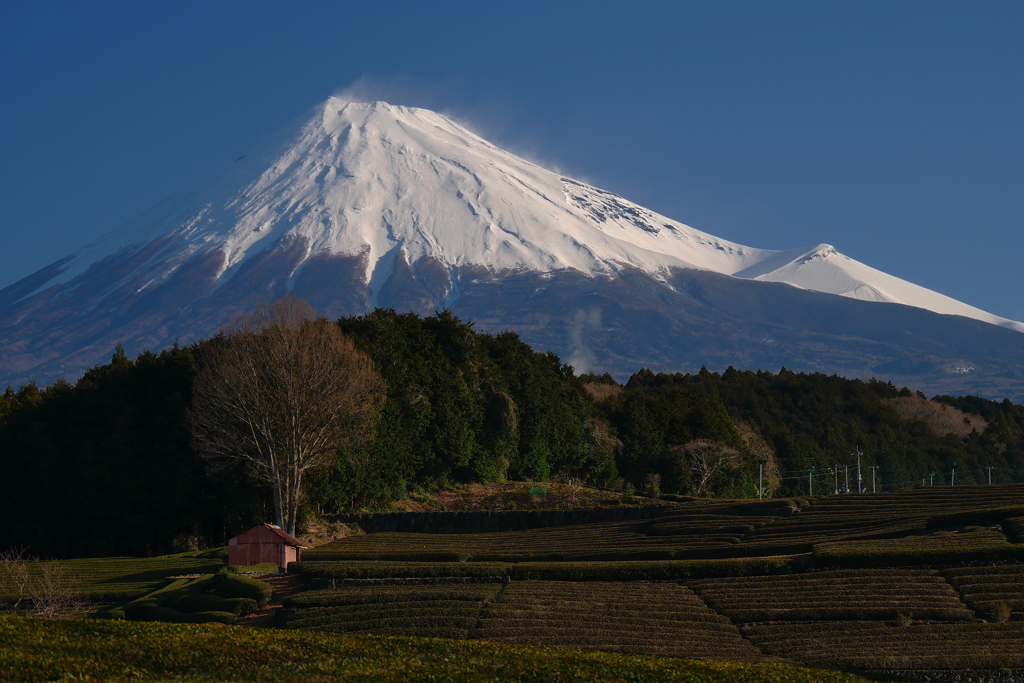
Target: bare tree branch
(707,457)
(50,587)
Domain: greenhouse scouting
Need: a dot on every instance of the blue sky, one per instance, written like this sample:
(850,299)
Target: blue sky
(891,130)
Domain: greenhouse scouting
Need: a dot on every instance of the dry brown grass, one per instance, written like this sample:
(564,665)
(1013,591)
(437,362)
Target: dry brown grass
(940,418)
(602,391)
(511,495)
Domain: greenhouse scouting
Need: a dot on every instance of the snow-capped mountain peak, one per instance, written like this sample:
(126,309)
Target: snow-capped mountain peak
(367,196)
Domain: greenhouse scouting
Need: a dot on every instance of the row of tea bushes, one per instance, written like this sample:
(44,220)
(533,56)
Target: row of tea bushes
(986,588)
(865,646)
(550,571)
(867,594)
(648,618)
(340,597)
(431,611)
(973,544)
(584,542)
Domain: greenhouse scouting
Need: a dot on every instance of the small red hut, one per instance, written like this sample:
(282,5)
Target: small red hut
(264,543)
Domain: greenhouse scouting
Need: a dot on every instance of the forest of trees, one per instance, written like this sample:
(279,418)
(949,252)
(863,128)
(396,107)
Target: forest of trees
(106,466)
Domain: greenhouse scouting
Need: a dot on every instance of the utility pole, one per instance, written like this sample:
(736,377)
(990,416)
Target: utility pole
(989,468)
(872,468)
(860,488)
(760,477)
(846,471)
(810,480)
(835,473)
(952,479)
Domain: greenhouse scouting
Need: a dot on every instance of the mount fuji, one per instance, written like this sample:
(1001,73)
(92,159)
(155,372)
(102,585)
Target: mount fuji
(364,205)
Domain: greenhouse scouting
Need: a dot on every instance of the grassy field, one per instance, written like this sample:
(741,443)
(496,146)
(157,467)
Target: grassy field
(121,651)
(119,579)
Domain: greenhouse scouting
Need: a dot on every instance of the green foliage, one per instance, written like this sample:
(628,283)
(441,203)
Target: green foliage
(54,650)
(464,406)
(105,466)
(173,616)
(807,420)
(228,585)
(204,602)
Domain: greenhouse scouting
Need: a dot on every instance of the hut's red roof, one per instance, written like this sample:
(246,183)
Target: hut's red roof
(285,537)
(264,531)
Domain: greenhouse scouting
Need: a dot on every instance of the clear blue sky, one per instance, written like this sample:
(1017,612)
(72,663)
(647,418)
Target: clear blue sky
(893,130)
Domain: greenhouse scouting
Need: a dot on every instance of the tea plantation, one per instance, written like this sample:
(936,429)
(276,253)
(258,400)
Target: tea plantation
(902,574)
(914,583)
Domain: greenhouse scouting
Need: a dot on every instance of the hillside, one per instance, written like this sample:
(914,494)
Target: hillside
(112,452)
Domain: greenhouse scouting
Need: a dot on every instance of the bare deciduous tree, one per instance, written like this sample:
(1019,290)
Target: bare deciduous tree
(707,457)
(14,576)
(55,593)
(282,391)
(50,587)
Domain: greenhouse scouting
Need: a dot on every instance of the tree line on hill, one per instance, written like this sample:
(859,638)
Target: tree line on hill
(107,466)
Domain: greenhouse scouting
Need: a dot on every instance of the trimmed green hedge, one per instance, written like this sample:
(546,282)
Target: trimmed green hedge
(173,616)
(204,602)
(228,585)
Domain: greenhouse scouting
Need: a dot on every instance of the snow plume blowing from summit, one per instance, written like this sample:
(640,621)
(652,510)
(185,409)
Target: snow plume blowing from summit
(584,322)
(368,204)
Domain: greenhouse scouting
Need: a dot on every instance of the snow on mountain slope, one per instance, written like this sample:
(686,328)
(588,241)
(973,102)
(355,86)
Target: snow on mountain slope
(384,183)
(823,269)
